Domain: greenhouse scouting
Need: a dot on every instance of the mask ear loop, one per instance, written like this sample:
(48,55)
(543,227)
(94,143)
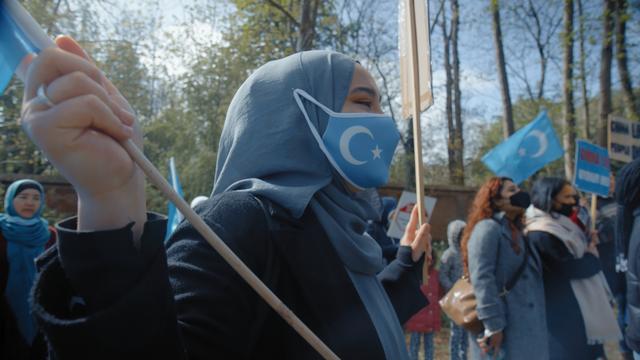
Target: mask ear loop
(299,92)
(296,95)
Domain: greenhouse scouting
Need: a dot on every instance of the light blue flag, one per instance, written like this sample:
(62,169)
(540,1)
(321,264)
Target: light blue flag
(174,215)
(14,45)
(526,151)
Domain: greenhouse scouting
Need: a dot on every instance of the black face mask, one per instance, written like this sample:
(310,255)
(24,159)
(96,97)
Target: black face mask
(566,209)
(520,199)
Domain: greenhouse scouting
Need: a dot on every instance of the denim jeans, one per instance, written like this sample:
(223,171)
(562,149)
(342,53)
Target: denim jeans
(458,343)
(621,302)
(636,356)
(414,345)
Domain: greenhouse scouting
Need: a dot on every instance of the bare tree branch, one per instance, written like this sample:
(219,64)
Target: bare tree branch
(284,11)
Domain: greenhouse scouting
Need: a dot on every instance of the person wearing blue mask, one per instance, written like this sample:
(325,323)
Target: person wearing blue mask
(24,234)
(302,137)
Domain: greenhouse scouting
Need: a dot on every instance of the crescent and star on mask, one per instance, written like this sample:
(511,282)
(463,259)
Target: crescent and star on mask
(345,140)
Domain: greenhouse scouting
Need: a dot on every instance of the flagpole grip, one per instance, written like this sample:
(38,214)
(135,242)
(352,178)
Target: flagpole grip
(417,131)
(229,256)
(594,210)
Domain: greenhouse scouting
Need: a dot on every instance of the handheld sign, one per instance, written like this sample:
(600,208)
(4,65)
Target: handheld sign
(415,36)
(624,139)
(401,215)
(592,173)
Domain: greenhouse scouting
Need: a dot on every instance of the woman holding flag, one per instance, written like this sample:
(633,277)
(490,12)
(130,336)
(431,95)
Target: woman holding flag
(284,199)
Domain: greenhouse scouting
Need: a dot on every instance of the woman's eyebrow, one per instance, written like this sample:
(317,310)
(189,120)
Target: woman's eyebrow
(367,90)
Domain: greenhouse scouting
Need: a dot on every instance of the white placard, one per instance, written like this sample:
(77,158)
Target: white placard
(624,139)
(399,218)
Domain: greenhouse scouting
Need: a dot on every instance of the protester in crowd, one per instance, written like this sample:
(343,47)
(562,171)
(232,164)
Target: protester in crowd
(377,228)
(605,226)
(579,316)
(495,256)
(283,199)
(628,246)
(450,272)
(24,235)
(425,324)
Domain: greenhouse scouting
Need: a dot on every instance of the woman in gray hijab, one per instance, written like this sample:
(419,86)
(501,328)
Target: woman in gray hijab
(303,135)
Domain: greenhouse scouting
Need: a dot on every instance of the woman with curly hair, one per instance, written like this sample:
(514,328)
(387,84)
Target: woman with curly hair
(507,284)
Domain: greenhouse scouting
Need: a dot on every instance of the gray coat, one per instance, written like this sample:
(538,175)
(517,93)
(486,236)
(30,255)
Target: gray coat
(451,261)
(521,313)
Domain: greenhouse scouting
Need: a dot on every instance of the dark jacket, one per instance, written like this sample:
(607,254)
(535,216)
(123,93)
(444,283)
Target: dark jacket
(567,334)
(12,344)
(605,225)
(633,286)
(98,297)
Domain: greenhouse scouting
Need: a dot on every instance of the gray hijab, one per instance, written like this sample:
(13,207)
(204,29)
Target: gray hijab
(266,148)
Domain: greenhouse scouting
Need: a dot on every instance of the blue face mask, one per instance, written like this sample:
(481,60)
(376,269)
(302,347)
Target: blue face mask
(360,146)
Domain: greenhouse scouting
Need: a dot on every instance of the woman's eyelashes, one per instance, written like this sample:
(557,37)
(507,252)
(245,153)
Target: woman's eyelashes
(365,103)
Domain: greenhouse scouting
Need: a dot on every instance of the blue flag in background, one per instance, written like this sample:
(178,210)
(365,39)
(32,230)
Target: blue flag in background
(174,215)
(14,46)
(526,151)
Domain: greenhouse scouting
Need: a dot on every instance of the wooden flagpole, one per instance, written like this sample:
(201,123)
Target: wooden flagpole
(417,131)
(594,212)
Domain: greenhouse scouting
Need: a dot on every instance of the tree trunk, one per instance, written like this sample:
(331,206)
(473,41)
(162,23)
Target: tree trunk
(605,71)
(306,30)
(622,16)
(568,110)
(586,131)
(457,104)
(451,146)
(507,117)
(541,45)
(543,72)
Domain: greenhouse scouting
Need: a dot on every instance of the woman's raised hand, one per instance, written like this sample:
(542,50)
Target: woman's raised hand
(80,129)
(418,238)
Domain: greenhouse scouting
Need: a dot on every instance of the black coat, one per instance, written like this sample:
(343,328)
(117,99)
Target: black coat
(100,298)
(12,344)
(633,286)
(605,224)
(567,334)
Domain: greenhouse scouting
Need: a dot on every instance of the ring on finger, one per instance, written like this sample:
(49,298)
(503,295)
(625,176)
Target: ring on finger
(42,98)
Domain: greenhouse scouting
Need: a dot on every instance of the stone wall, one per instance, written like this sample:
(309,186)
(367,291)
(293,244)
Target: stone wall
(453,201)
